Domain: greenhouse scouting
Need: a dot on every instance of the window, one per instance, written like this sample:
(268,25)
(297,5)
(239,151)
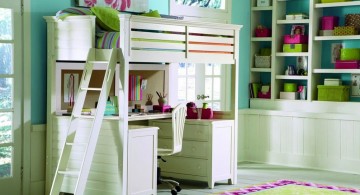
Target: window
(204,83)
(210,10)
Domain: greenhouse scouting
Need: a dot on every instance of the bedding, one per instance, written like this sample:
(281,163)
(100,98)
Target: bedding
(146,38)
(107,23)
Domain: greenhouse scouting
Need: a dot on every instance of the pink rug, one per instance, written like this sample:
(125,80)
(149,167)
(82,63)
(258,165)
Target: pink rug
(289,187)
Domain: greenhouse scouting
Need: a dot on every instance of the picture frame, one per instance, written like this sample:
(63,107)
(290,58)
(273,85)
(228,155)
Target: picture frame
(121,5)
(199,11)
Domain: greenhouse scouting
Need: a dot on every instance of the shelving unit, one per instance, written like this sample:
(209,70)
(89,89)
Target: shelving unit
(318,55)
(279,59)
(257,18)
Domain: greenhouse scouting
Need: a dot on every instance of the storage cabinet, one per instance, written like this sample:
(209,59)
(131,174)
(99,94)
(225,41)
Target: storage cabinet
(208,153)
(142,160)
(317,52)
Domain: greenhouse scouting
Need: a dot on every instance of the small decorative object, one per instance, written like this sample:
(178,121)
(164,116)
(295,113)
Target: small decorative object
(162,98)
(298,30)
(262,31)
(191,111)
(301,65)
(149,100)
(302,92)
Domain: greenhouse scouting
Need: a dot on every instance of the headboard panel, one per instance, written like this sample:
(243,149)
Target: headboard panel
(71,38)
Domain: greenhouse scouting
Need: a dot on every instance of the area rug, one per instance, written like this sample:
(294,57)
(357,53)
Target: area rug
(290,187)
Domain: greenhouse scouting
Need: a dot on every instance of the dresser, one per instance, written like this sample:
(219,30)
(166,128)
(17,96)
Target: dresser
(208,153)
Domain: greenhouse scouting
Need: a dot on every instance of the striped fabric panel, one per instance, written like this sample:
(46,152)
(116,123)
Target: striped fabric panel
(108,40)
(62,14)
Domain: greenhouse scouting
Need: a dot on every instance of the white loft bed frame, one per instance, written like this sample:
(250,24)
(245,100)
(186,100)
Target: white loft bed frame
(69,40)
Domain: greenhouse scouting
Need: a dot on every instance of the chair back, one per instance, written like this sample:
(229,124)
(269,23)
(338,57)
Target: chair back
(178,123)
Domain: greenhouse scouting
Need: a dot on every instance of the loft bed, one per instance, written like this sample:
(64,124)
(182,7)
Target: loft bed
(144,39)
(146,43)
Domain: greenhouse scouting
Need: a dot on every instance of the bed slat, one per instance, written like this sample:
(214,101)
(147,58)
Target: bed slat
(157,45)
(156,56)
(211,31)
(211,39)
(158,36)
(205,48)
(158,27)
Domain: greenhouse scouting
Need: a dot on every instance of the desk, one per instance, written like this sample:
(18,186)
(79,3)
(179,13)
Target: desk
(104,177)
(208,152)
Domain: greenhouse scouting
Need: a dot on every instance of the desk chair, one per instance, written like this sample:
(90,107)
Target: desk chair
(178,123)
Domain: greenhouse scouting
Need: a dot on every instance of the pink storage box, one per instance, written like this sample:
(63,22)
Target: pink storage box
(264,32)
(329,22)
(164,108)
(266,95)
(295,39)
(347,64)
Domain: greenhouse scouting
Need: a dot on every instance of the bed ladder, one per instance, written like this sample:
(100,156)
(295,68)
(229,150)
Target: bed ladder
(108,57)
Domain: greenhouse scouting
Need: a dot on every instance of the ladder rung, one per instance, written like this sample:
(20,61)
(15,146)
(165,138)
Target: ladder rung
(74,173)
(77,144)
(90,89)
(98,62)
(84,116)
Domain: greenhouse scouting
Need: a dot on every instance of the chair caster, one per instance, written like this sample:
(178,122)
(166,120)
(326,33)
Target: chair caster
(173,192)
(178,188)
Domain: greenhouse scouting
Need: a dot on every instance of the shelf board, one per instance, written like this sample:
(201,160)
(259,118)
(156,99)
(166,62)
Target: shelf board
(302,21)
(337,4)
(260,69)
(278,99)
(291,77)
(347,37)
(255,39)
(260,99)
(355,71)
(268,8)
(292,54)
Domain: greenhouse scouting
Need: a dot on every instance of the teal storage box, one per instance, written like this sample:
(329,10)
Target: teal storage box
(295,47)
(350,54)
(333,93)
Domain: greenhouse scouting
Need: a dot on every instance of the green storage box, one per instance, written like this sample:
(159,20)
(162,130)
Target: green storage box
(350,54)
(333,93)
(290,87)
(295,47)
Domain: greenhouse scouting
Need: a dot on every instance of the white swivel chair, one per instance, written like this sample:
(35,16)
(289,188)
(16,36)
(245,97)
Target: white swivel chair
(178,123)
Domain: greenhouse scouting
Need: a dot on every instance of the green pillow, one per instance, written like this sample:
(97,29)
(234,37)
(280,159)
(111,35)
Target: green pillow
(152,13)
(107,18)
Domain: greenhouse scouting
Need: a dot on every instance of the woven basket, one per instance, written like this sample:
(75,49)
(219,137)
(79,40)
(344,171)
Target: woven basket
(262,61)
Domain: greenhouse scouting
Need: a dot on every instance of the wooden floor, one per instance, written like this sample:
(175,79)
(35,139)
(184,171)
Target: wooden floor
(254,173)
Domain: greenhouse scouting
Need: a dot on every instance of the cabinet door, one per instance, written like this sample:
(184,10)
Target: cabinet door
(142,162)
(223,150)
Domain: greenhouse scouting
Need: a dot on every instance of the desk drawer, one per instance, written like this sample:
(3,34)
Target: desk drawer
(189,149)
(191,132)
(182,165)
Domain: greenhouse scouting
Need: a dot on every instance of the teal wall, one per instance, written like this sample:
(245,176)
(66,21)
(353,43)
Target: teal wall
(241,15)
(40,8)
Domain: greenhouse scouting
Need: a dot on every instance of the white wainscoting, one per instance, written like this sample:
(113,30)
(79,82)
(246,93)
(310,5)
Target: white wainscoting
(37,159)
(312,140)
